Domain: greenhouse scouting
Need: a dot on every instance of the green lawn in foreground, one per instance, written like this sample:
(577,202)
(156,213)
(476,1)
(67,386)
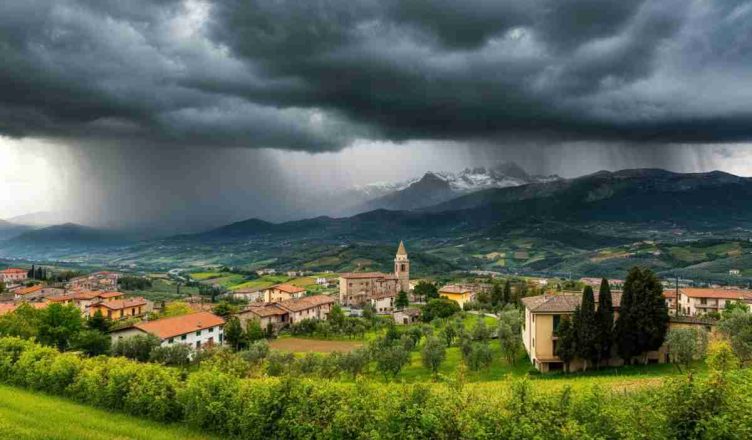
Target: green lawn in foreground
(25,415)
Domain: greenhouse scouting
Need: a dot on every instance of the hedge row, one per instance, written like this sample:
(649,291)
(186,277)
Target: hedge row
(290,408)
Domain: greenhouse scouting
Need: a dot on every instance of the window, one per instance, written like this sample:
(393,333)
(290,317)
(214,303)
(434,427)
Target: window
(182,338)
(703,301)
(198,344)
(198,333)
(171,340)
(557,320)
(533,342)
(211,330)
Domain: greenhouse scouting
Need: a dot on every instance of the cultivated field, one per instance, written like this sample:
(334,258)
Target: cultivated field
(302,345)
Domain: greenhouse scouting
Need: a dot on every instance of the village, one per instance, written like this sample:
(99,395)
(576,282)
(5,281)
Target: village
(283,309)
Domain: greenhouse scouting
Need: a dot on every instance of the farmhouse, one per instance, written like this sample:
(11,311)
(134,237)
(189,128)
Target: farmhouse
(544,313)
(274,316)
(358,288)
(383,302)
(250,294)
(460,294)
(196,329)
(695,301)
(269,316)
(283,292)
(119,308)
(406,316)
(13,275)
(310,307)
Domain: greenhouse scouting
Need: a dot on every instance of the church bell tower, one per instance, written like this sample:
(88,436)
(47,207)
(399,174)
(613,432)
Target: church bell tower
(402,267)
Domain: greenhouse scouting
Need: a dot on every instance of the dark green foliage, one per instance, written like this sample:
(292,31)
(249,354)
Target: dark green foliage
(566,347)
(98,322)
(225,309)
(643,315)
(401,301)
(58,324)
(134,283)
(605,320)
(354,362)
(425,290)
(137,347)
(507,296)
(477,356)
(175,355)
(737,327)
(234,335)
(22,322)
(588,329)
(439,308)
(391,359)
(433,354)
(279,363)
(91,342)
(497,295)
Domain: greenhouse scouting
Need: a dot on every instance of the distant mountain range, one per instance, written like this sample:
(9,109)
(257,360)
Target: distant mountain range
(547,225)
(437,187)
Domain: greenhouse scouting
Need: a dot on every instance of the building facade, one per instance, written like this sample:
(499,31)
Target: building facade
(697,301)
(13,275)
(359,288)
(283,292)
(459,294)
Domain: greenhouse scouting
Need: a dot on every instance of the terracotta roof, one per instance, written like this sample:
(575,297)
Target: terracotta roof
(745,295)
(85,294)
(669,294)
(563,303)
(308,302)
(265,310)
(179,325)
(62,298)
(28,290)
(119,304)
(401,249)
(288,288)
(454,289)
(105,295)
(14,270)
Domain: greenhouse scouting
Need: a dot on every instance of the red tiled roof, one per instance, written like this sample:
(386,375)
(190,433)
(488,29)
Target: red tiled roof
(180,325)
(361,275)
(105,295)
(717,293)
(308,302)
(28,290)
(7,308)
(563,303)
(288,288)
(61,298)
(265,310)
(13,270)
(120,304)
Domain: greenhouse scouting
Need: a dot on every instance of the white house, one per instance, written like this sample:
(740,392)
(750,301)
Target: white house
(696,301)
(195,329)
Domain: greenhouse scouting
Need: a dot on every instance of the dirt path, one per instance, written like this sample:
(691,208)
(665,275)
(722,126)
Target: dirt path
(314,345)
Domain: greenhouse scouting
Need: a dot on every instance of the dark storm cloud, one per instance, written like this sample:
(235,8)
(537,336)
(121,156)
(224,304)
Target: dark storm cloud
(316,75)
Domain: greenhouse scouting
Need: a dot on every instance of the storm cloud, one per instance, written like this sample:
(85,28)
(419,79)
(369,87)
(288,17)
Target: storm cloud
(319,75)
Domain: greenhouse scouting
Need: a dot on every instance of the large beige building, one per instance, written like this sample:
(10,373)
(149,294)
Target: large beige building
(544,313)
(359,288)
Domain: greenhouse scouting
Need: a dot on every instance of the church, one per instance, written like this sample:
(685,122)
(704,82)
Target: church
(358,288)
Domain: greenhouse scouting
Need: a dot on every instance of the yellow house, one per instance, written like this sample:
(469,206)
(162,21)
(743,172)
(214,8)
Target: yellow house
(456,293)
(119,308)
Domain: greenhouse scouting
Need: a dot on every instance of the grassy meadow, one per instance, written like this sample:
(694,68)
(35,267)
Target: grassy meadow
(32,416)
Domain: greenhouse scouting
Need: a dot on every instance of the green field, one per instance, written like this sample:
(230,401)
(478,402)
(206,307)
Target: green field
(164,290)
(25,415)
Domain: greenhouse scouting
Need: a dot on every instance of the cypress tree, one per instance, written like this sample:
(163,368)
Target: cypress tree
(507,292)
(566,347)
(643,315)
(588,329)
(497,295)
(605,318)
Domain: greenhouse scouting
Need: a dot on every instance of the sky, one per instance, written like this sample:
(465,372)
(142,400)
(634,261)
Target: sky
(185,114)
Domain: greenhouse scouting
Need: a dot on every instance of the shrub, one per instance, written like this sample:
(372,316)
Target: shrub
(206,399)
(137,347)
(176,355)
(91,342)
